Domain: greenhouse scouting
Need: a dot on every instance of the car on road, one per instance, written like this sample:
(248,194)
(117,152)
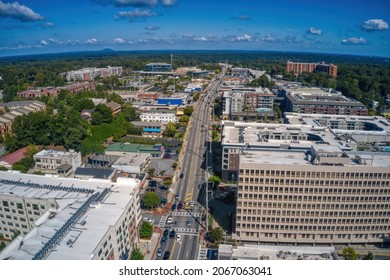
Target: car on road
(153,184)
(166,255)
(163,240)
(169,220)
(173,207)
(172,234)
(192,204)
(179,206)
(189,223)
(181,176)
(166,231)
(177,196)
(159,252)
(178,237)
(149,220)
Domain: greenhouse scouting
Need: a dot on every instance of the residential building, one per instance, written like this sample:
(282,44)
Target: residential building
(8,160)
(148,95)
(38,92)
(52,161)
(311,100)
(360,129)
(88,74)
(68,219)
(115,107)
(17,108)
(240,102)
(301,67)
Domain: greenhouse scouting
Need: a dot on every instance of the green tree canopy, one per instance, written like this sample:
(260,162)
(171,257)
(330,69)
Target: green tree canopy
(350,254)
(216,234)
(145,230)
(102,114)
(151,200)
(136,254)
(215,179)
(188,110)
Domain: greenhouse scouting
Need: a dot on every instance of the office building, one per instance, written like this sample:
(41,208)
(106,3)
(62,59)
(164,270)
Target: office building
(60,162)
(158,67)
(68,219)
(302,67)
(305,184)
(321,196)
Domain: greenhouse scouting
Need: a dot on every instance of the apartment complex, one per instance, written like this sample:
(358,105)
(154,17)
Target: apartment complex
(301,67)
(17,108)
(88,74)
(68,219)
(310,100)
(238,102)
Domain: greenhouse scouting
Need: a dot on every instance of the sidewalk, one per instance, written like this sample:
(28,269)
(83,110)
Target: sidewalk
(149,247)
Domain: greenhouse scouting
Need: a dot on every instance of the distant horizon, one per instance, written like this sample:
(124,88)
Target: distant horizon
(338,27)
(106,51)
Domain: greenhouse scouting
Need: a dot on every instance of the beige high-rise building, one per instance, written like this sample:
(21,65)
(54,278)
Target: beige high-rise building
(321,196)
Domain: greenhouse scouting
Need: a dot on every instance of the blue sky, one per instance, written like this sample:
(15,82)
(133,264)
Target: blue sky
(343,26)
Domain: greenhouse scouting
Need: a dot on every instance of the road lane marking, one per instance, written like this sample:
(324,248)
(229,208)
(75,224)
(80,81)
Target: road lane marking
(173,249)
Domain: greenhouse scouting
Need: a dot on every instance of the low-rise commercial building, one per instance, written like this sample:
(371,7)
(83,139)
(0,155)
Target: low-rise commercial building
(150,129)
(52,161)
(159,117)
(123,149)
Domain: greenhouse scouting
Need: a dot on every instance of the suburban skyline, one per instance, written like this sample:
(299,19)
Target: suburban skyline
(340,27)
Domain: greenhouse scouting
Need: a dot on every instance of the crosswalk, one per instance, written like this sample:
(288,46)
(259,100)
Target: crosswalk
(163,220)
(185,214)
(186,230)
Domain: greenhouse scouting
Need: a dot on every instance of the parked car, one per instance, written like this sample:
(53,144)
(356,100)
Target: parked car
(172,234)
(166,255)
(173,207)
(166,231)
(159,252)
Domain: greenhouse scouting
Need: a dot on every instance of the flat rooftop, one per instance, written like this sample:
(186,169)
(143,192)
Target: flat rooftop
(85,233)
(276,252)
(249,158)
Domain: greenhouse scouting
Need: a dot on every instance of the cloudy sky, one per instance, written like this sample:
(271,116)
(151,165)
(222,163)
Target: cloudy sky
(342,26)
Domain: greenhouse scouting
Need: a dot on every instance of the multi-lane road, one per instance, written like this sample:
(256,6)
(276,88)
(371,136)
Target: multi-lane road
(188,222)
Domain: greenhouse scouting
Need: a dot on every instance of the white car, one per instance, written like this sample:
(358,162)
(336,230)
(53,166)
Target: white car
(178,237)
(192,204)
(149,220)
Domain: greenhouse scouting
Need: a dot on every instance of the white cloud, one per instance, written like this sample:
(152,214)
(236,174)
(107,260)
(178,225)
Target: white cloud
(49,24)
(152,27)
(269,38)
(43,43)
(91,41)
(242,17)
(119,41)
(354,41)
(375,25)
(127,3)
(239,38)
(168,3)
(134,15)
(314,31)
(20,12)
